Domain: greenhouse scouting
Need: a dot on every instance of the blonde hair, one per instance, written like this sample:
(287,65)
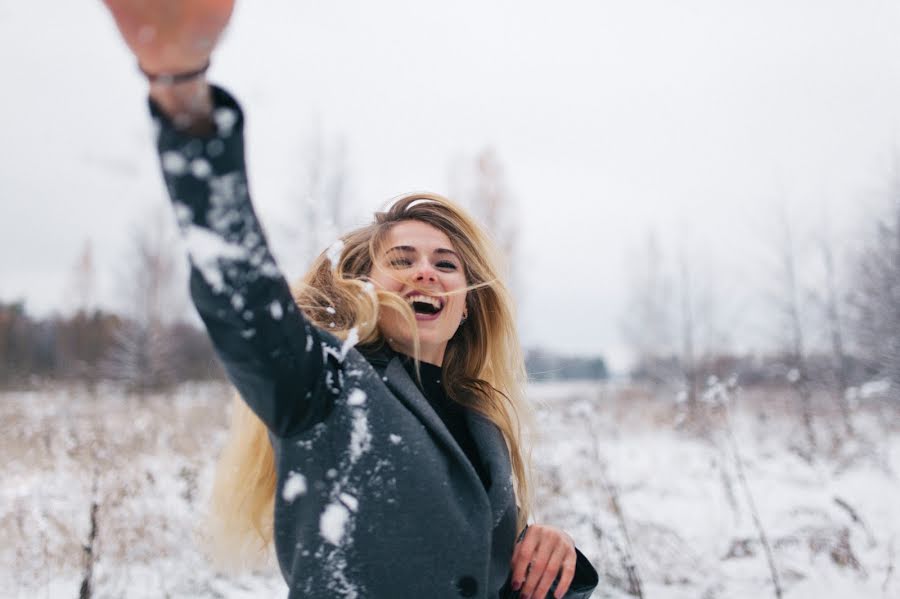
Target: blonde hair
(483,363)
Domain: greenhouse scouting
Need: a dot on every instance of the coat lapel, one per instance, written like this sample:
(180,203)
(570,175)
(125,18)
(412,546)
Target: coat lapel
(406,390)
(488,438)
(495,456)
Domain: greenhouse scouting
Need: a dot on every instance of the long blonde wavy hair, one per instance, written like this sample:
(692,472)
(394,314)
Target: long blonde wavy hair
(483,364)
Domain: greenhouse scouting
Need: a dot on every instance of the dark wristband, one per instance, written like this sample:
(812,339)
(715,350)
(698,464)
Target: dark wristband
(172,78)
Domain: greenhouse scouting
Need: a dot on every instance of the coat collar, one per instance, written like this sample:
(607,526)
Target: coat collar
(488,438)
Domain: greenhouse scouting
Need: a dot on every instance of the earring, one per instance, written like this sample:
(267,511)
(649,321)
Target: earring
(465,316)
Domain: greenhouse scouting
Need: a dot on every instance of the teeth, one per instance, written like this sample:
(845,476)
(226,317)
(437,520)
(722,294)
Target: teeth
(438,304)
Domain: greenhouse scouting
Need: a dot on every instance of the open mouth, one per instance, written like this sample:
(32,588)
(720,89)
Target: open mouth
(425,305)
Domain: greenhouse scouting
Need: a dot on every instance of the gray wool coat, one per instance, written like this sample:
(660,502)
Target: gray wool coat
(375,498)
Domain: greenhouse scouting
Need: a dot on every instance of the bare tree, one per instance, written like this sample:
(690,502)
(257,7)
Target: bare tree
(81,287)
(143,354)
(703,341)
(481,184)
(688,319)
(832,305)
(81,349)
(649,316)
(672,323)
(321,206)
(875,299)
(787,297)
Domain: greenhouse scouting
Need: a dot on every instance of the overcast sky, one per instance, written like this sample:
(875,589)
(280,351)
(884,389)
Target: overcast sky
(610,118)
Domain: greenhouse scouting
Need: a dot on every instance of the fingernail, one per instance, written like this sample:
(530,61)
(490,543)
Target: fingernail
(517,585)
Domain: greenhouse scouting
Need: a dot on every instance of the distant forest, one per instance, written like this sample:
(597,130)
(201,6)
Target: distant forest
(102,346)
(90,347)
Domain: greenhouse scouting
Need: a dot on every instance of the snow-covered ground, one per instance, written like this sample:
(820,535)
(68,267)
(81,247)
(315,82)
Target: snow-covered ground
(636,493)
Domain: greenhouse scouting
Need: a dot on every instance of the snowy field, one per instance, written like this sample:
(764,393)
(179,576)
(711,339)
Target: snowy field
(655,508)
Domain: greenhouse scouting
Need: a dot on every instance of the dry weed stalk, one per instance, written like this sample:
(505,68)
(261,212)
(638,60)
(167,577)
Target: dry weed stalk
(854,515)
(86,590)
(719,395)
(890,566)
(626,552)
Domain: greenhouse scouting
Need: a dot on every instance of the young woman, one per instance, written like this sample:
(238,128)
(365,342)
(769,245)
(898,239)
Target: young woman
(379,442)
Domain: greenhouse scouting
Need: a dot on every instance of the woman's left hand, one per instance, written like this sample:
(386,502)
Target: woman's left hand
(540,557)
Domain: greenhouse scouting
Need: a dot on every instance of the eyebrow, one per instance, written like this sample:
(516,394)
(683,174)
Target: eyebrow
(409,248)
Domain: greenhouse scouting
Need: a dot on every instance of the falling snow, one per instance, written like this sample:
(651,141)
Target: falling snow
(294,486)
(351,502)
(275,310)
(225,119)
(348,344)
(357,397)
(333,522)
(173,163)
(207,250)
(183,214)
(201,168)
(215,147)
(333,253)
(360,436)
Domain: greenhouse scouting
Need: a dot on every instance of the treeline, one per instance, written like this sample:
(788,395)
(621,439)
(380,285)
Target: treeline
(547,366)
(832,317)
(95,346)
(832,311)
(102,346)
(751,370)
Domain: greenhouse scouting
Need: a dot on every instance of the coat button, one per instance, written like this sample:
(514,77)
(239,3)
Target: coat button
(467,586)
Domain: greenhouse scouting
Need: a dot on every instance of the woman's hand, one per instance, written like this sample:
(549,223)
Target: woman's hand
(175,36)
(171,36)
(540,557)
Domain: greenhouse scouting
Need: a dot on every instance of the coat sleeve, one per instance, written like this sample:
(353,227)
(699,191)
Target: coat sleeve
(585,580)
(271,353)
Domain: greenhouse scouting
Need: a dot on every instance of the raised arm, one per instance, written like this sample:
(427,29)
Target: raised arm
(168,37)
(270,352)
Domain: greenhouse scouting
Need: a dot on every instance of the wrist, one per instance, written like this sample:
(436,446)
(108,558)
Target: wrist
(173,76)
(188,104)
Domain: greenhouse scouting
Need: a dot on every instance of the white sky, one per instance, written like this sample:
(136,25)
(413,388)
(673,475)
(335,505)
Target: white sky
(611,118)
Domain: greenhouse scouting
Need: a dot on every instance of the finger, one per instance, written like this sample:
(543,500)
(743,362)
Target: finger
(567,573)
(522,556)
(551,572)
(539,563)
(518,544)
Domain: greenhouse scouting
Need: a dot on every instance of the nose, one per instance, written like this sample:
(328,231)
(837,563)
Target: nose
(425,272)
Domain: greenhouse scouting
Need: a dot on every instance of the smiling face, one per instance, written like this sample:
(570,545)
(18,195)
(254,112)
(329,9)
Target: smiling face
(419,263)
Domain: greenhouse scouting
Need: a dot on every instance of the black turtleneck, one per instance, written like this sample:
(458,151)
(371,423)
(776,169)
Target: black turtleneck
(451,412)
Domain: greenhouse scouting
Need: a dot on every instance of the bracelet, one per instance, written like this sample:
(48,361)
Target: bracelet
(173,78)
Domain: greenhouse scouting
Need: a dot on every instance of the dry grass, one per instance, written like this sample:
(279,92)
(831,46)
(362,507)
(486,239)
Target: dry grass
(142,459)
(147,463)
